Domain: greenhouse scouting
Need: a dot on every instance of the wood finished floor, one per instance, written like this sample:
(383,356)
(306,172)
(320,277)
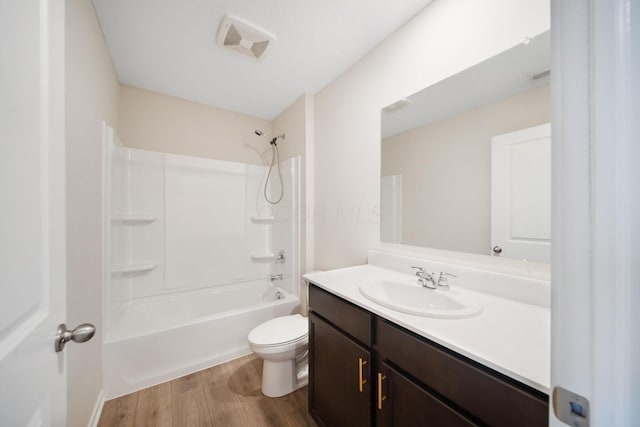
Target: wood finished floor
(225,395)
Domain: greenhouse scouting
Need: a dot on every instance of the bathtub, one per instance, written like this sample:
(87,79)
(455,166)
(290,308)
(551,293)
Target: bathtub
(153,341)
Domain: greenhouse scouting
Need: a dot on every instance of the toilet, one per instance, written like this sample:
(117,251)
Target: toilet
(283,345)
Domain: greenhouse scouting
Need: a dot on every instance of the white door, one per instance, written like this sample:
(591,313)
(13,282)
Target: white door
(32,232)
(521,194)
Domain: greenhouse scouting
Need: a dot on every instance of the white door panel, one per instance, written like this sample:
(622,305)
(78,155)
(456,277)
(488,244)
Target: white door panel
(32,245)
(521,193)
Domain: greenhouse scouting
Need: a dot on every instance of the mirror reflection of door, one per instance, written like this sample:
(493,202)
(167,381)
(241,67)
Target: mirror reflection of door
(521,194)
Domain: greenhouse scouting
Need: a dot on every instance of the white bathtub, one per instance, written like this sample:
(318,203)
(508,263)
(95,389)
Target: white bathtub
(165,338)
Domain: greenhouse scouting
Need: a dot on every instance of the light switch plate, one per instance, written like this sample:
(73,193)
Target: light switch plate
(571,408)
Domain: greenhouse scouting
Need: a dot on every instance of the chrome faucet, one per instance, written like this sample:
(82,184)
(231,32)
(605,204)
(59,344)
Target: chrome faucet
(425,278)
(443,280)
(428,279)
(275,277)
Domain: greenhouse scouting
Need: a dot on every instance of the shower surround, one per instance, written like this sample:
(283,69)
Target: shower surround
(190,246)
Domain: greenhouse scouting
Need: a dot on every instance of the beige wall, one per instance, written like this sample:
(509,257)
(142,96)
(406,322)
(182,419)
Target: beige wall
(292,123)
(445,38)
(152,121)
(446,171)
(91,97)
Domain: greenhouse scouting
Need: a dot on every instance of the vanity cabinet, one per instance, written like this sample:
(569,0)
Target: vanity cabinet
(339,362)
(368,371)
(401,402)
(482,394)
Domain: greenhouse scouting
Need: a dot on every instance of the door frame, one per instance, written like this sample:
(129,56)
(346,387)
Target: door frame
(596,206)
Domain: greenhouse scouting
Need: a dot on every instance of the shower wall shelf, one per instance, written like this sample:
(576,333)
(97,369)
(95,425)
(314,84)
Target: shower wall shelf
(262,219)
(263,257)
(133,219)
(134,268)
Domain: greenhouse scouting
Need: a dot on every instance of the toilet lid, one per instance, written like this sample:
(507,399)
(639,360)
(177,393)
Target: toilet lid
(280,330)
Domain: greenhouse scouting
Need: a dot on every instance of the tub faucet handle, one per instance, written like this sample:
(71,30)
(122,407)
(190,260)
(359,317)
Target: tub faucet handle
(275,277)
(280,259)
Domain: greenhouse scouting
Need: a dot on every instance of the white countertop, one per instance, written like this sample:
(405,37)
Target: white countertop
(509,336)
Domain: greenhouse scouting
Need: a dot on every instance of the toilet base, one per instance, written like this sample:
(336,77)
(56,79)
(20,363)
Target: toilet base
(280,378)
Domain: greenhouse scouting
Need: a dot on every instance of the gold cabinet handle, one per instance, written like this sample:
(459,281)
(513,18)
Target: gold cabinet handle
(380,396)
(361,381)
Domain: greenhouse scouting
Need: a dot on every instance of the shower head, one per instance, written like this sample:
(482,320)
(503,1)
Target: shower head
(272,140)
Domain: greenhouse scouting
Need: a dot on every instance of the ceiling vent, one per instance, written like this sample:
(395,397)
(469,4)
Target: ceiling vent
(541,75)
(243,37)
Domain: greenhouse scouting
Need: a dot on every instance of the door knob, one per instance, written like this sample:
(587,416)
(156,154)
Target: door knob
(497,250)
(80,334)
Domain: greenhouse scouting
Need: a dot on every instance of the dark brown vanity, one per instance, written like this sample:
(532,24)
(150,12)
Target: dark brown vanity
(367,371)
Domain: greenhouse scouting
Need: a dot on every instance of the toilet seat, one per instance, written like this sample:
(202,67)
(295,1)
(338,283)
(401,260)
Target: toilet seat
(280,331)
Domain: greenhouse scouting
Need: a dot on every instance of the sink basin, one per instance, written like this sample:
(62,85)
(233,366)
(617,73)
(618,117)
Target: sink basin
(411,298)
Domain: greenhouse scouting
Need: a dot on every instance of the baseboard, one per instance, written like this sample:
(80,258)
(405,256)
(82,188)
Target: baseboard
(97,410)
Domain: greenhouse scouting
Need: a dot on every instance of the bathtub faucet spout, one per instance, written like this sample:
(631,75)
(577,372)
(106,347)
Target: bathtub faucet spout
(275,277)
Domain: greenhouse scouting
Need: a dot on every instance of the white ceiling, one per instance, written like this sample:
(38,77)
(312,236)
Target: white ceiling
(499,77)
(169,46)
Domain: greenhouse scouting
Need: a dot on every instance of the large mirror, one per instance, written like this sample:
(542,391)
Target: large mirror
(466,162)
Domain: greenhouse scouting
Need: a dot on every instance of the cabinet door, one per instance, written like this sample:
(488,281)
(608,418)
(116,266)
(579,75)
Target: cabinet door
(400,402)
(339,373)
